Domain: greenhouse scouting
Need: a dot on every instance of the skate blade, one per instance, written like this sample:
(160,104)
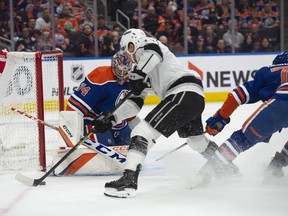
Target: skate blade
(126,193)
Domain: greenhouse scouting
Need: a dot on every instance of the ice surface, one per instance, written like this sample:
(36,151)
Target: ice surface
(164,186)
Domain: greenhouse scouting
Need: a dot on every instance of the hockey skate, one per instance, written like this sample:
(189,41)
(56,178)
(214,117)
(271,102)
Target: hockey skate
(210,150)
(274,169)
(214,168)
(125,186)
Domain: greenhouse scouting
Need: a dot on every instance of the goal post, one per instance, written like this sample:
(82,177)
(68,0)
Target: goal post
(31,82)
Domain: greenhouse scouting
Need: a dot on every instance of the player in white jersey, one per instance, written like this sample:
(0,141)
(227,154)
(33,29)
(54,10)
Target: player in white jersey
(182,102)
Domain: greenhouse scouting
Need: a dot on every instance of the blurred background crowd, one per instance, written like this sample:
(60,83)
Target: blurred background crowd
(78,26)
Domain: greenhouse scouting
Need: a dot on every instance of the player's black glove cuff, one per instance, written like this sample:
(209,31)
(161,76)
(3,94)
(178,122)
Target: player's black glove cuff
(137,86)
(137,81)
(102,124)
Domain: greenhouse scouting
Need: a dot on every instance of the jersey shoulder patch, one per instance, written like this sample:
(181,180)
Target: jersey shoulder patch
(101,75)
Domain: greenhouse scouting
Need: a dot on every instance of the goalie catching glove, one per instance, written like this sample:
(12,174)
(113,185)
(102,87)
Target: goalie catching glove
(103,123)
(137,81)
(216,123)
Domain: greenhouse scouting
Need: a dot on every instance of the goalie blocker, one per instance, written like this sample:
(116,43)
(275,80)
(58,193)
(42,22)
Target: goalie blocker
(94,159)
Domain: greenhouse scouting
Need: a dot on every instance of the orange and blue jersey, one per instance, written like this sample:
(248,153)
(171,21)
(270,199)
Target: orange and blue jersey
(268,83)
(98,93)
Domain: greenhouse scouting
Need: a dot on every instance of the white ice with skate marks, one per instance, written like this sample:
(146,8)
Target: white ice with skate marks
(164,186)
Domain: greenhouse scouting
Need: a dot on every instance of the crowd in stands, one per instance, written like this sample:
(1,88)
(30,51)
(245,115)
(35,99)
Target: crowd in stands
(209,25)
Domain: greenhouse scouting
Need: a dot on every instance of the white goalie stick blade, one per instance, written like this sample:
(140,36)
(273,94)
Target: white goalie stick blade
(24,179)
(126,193)
(29,181)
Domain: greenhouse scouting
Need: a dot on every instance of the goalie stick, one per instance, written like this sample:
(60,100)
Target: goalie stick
(40,181)
(100,148)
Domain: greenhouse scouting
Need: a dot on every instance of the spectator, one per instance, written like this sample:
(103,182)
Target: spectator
(160,7)
(210,39)
(248,44)
(43,20)
(111,44)
(61,37)
(169,32)
(25,42)
(35,10)
(33,32)
(221,47)
(88,18)
(163,39)
(265,45)
(224,11)
(243,14)
(173,21)
(85,46)
(67,21)
(58,7)
(118,28)
(269,18)
(199,47)
(102,30)
(153,23)
(238,39)
(44,41)
(213,19)
(4,11)
(194,21)
(257,37)
(144,8)
(203,9)
(5,29)
(171,17)
(80,8)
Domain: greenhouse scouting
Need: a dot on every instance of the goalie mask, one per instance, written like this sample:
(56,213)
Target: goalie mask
(281,58)
(121,65)
(133,36)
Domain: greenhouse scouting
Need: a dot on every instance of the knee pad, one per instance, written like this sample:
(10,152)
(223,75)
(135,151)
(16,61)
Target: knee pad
(198,143)
(145,130)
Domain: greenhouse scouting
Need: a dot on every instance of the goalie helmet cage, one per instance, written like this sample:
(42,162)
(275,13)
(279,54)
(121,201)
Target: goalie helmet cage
(33,83)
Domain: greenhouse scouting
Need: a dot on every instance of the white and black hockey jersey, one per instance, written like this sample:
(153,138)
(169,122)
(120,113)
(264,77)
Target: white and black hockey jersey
(166,75)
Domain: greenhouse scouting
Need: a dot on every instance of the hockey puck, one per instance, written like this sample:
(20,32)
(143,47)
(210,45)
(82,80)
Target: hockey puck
(42,183)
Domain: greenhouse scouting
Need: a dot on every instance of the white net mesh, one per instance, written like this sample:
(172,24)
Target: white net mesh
(19,137)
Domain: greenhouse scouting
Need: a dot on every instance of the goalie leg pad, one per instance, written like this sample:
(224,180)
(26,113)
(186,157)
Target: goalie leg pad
(70,128)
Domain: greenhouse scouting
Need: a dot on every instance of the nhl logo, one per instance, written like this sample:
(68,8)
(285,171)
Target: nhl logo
(77,72)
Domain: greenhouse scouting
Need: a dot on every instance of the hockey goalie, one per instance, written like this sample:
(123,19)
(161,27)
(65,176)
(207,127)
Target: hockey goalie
(103,153)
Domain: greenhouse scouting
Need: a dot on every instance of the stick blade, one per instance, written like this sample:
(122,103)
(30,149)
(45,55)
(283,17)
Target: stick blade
(24,179)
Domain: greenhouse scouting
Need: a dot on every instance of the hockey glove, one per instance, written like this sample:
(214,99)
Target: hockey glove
(102,123)
(137,81)
(216,123)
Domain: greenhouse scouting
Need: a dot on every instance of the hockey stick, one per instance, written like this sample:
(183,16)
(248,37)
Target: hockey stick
(40,181)
(95,146)
(170,152)
(34,118)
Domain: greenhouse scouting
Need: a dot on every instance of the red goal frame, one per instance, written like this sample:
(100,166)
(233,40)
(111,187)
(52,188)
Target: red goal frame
(40,97)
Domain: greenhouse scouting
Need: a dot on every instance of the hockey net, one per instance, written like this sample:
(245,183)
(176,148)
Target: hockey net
(30,83)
